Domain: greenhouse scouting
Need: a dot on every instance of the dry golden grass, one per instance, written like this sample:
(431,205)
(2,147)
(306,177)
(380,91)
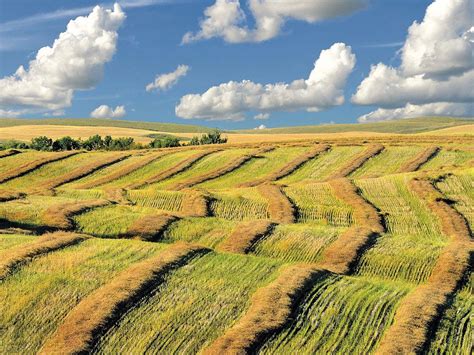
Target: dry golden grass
(280,208)
(44,244)
(467,130)
(417,312)
(26,133)
(358,161)
(244,236)
(81,172)
(178,168)
(150,227)
(32,165)
(7,153)
(290,167)
(60,216)
(94,314)
(195,204)
(269,310)
(227,168)
(342,253)
(127,169)
(419,160)
(117,195)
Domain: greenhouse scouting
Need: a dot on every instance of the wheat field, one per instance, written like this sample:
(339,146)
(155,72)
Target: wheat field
(248,248)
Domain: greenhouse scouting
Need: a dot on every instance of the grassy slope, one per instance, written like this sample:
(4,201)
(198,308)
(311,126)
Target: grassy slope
(414,125)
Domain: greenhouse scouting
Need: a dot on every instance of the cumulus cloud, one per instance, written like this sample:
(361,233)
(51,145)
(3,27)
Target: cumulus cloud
(436,71)
(262,126)
(262,116)
(323,89)
(75,61)
(104,111)
(226,19)
(168,80)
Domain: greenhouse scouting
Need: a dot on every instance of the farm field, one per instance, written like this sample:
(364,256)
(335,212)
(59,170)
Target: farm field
(337,244)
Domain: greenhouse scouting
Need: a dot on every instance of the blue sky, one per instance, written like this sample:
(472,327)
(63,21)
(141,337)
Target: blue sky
(149,43)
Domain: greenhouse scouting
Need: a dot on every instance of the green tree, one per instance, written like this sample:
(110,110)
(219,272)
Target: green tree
(42,143)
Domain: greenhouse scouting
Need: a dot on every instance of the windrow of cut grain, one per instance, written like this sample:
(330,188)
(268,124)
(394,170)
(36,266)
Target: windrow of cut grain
(81,171)
(94,314)
(269,310)
(419,310)
(150,227)
(123,171)
(8,195)
(44,244)
(280,208)
(355,163)
(289,167)
(342,254)
(176,169)
(195,204)
(245,235)
(227,168)
(422,158)
(60,215)
(33,165)
(8,153)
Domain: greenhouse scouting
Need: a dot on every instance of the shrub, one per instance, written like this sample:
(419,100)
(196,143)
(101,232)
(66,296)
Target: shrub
(214,137)
(66,143)
(165,142)
(42,143)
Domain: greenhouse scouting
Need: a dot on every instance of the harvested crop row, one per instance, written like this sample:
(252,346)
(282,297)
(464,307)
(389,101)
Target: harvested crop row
(8,153)
(341,255)
(245,235)
(60,215)
(7,195)
(44,244)
(33,165)
(269,311)
(358,161)
(94,314)
(420,309)
(127,169)
(229,167)
(150,227)
(178,168)
(81,171)
(422,158)
(195,204)
(290,167)
(280,208)
(116,195)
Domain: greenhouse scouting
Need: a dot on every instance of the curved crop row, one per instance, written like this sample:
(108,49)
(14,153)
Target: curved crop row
(289,167)
(8,195)
(227,168)
(32,165)
(150,227)
(94,314)
(195,204)
(176,169)
(245,235)
(239,205)
(420,309)
(118,173)
(422,158)
(163,200)
(356,162)
(341,255)
(8,153)
(269,311)
(280,208)
(43,245)
(60,215)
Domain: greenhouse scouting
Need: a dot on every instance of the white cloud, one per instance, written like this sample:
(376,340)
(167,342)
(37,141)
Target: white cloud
(168,80)
(226,19)
(104,111)
(436,72)
(262,126)
(322,90)
(262,116)
(74,62)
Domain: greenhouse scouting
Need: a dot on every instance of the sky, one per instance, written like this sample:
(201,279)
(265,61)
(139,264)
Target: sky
(237,64)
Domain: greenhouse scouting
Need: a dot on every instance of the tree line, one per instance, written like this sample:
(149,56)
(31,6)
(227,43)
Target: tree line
(96,142)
